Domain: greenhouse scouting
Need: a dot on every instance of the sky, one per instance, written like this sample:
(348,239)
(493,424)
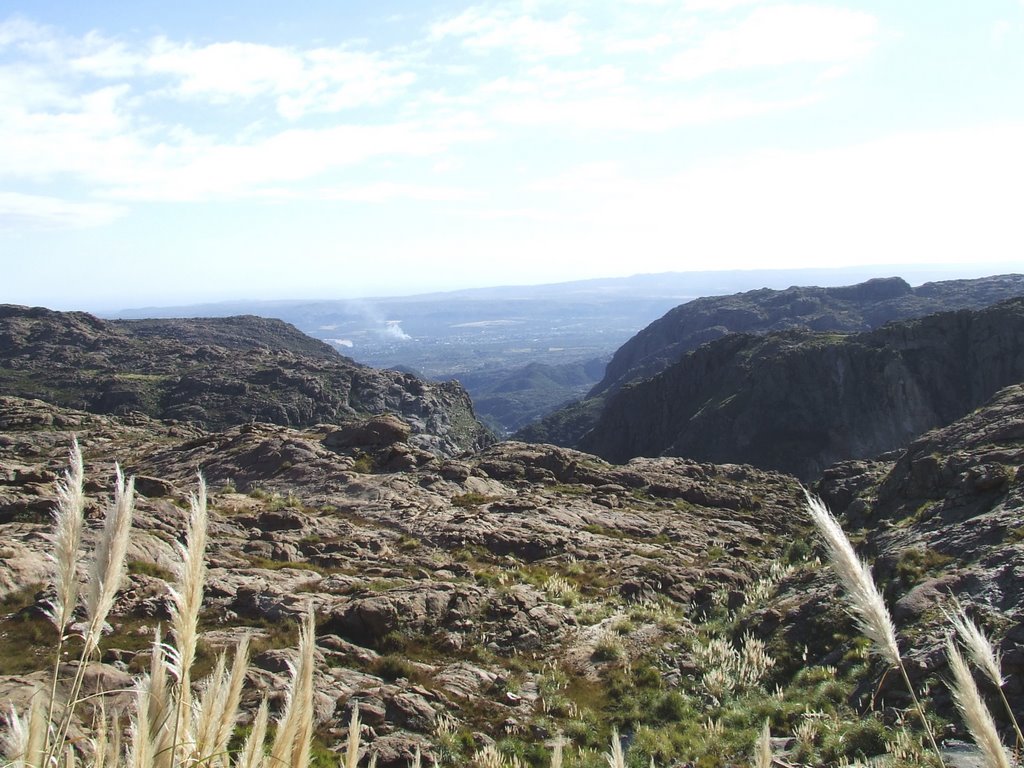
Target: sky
(166,153)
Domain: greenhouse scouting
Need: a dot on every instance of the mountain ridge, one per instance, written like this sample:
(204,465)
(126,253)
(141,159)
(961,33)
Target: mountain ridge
(798,401)
(217,372)
(851,308)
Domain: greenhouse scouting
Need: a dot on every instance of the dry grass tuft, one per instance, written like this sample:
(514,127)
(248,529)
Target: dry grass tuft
(170,727)
(864,601)
(985,657)
(972,708)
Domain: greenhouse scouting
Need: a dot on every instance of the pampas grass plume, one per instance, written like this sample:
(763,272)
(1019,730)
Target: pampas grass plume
(557,752)
(68,521)
(863,598)
(763,748)
(108,564)
(187,593)
(972,708)
(352,748)
(616,757)
(984,655)
(295,728)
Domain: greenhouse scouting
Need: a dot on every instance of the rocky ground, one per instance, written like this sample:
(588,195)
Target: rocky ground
(443,588)
(522,591)
(508,595)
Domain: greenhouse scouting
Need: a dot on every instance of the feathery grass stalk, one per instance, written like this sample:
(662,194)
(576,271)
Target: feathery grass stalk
(108,563)
(616,758)
(352,747)
(159,704)
(233,696)
(985,657)
(864,601)
(140,755)
(972,708)
(253,754)
(763,748)
(295,728)
(38,726)
(105,573)
(99,739)
(187,600)
(556,752)
(69,519)
(205,721)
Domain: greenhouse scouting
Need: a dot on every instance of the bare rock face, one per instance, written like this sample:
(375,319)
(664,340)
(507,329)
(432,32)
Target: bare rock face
(797,401)
(378,432)
(219,372)
(847,309)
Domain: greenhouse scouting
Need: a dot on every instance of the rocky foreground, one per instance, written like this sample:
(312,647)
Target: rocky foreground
(508,595)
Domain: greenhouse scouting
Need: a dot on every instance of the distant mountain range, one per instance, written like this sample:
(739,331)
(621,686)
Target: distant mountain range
(668,341)
(523,351)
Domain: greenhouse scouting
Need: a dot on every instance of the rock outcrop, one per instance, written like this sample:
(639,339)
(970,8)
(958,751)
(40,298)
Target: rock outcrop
(939,521)
(798,401)
(218,372)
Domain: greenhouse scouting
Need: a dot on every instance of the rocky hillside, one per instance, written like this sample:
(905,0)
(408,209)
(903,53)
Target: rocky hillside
(498,597)
(846,309)
(216,373)
(508,399)
(940,519)
(526,591)
(798,401)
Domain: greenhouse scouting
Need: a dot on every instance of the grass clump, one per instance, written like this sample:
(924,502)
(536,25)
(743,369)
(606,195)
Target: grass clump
(171,724)
(472,500)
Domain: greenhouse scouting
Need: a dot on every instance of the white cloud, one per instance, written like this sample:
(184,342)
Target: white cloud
(717,5)
(937,197)
(646,44)
(486,30)
(319,80)
(383,192)
(558,83)
(18,211)
(208,170)
(778,35)
(636,114)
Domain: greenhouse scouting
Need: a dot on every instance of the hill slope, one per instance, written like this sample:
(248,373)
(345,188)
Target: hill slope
(845,309)
(798,401)
(216,373)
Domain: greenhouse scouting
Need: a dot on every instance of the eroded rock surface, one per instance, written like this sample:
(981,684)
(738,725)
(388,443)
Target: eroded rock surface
(440,587)
(219,372)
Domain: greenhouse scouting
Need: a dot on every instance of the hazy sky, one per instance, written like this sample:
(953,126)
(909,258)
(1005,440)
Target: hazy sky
(154,153)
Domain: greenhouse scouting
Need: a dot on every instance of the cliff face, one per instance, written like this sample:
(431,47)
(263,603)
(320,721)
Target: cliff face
(845,309)
(848,309)
(798,401)
(216,373)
